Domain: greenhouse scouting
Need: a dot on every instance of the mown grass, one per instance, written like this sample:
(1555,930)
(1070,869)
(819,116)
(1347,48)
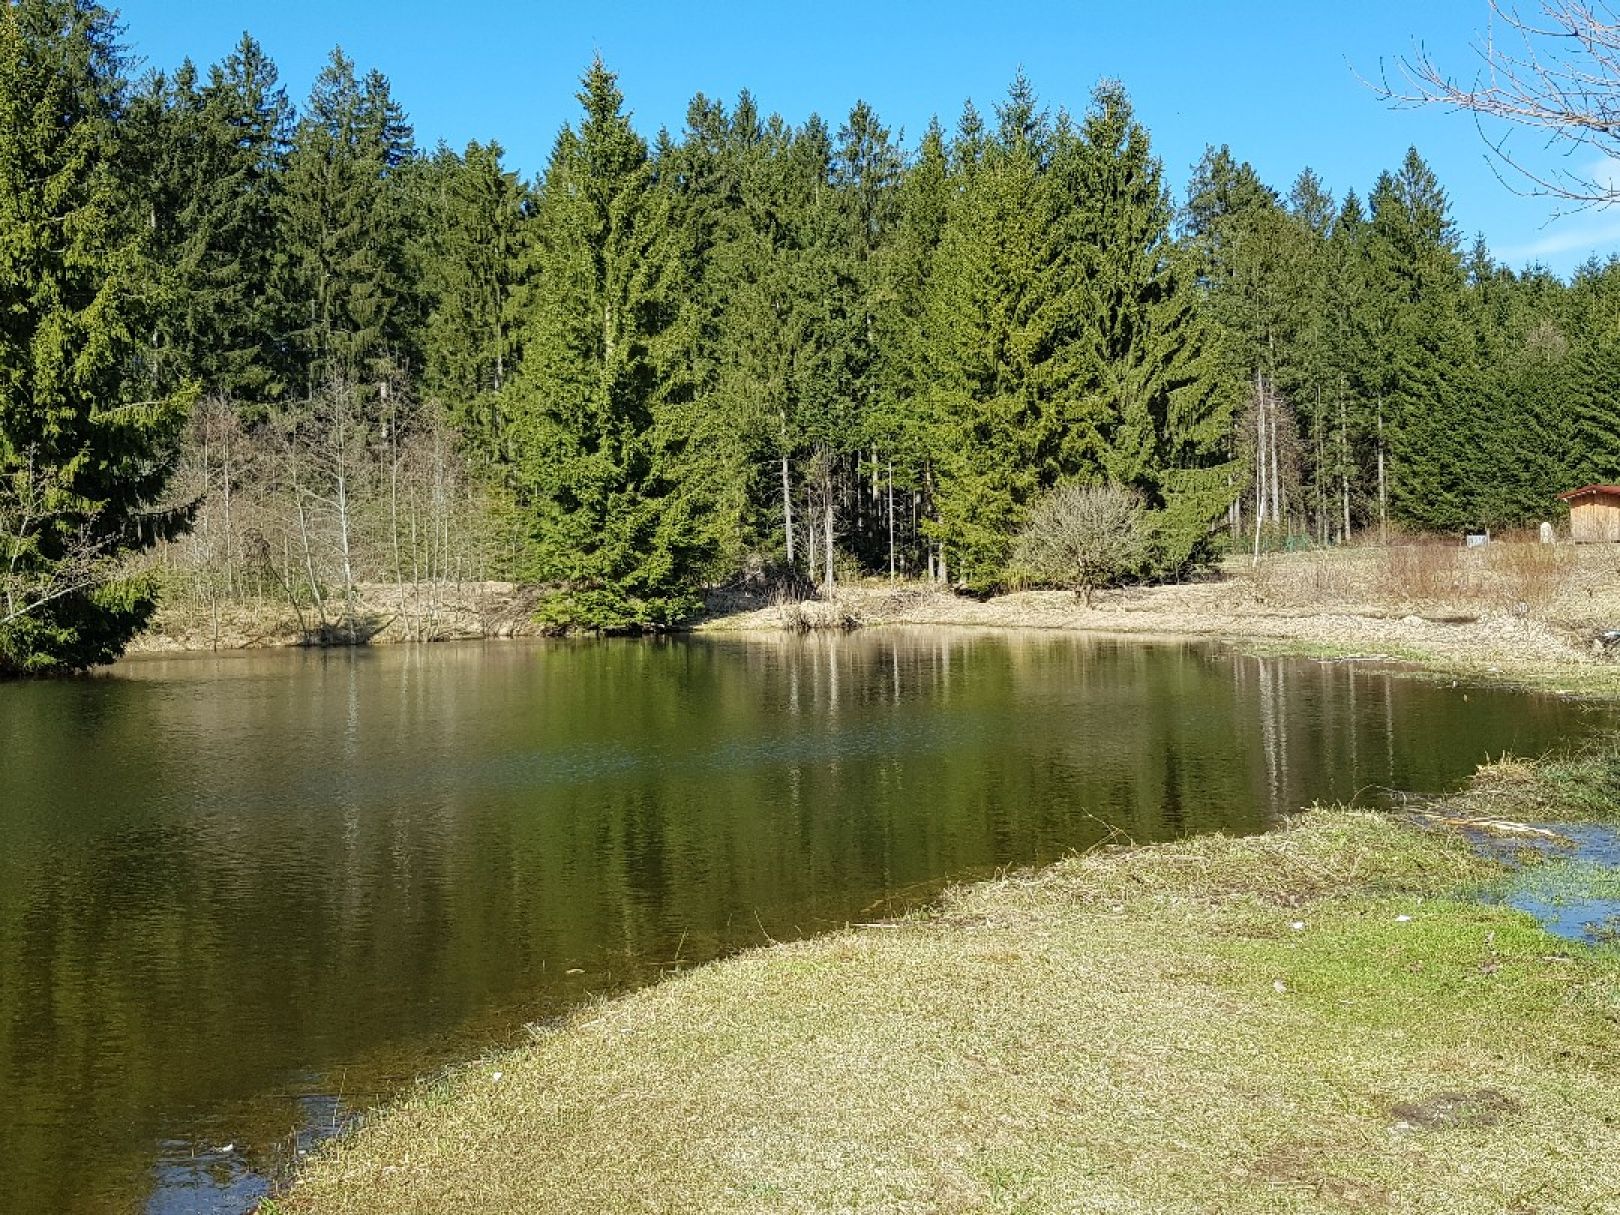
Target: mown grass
(1321,1018)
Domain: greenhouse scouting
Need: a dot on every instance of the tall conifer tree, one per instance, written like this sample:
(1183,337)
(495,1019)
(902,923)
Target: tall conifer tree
(345,230)
(84,457)
(471,259)
(601,455)
(1153,413)
(1433,443)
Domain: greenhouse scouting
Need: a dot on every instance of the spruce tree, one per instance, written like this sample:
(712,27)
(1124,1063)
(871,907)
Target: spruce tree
(866,171)
(84,455)
(1357,322)
(470,259)
(1432,427)
(997,352)
(345,230)
(600,450)
(1153,413)
(1308,377)
(711,181)
(785,300)
(208,154)
(900,421)
(1595,375)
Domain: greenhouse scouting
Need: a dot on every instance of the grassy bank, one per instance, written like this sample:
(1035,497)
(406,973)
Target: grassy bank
(384,613)
(1322,1018)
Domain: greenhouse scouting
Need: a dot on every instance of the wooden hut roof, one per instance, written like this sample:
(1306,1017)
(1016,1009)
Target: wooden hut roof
(1589,489)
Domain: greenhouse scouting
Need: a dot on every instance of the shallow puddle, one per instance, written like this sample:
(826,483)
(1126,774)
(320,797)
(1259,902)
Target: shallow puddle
(1573,885)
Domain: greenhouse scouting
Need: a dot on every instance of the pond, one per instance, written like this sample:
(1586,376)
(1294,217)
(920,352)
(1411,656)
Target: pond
(243,896)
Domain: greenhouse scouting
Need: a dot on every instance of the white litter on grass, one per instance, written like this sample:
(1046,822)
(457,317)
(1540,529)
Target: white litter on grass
(1403,919)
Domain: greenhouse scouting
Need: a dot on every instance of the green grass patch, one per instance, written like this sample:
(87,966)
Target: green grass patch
(1314,1019)
(1580,787)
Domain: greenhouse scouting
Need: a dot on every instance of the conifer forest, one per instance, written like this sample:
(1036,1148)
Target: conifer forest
(253,347)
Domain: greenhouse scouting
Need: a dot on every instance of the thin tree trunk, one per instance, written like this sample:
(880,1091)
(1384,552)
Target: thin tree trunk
(393,529)
(911,535)
(344,552)
(1344,467)
(809,537)
(309,556)
(855,494)
(1383,489)
(206,574)
(230,531)
(1260,461)
(891,520)
(286,580)
(1321,490)
(787,510)
(1276,477)
(827,523)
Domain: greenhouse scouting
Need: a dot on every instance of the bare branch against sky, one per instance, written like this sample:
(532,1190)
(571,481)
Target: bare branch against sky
(1556,74)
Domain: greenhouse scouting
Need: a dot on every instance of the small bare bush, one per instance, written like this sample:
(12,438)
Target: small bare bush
(1529,577)
(1424,573)
(1082,537)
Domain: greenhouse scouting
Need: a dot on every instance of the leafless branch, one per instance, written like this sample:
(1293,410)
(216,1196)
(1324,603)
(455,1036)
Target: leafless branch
(1557,74)
(29,512)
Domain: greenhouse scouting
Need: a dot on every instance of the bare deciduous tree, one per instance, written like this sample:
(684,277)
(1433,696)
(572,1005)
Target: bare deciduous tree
(1557,73)
(37,513)
(1083,537)
(355,510)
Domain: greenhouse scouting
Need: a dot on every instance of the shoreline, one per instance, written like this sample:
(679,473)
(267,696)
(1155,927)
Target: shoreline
(1469,641)
(1326,1016)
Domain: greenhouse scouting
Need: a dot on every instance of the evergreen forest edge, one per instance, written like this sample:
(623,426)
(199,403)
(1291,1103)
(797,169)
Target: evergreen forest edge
(748,350)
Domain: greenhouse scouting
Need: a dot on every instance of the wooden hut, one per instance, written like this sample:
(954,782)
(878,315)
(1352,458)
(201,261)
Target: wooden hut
(1594,513)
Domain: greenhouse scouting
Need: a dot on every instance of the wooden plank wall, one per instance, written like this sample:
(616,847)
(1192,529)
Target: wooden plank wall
(1595,519)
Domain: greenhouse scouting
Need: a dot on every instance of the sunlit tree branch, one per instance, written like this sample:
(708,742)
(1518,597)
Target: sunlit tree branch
(1557,73)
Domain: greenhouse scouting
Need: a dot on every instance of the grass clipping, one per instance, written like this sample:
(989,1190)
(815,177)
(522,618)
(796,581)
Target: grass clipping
(1316,1019)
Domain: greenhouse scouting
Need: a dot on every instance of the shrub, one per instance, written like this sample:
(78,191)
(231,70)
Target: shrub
(1083,537)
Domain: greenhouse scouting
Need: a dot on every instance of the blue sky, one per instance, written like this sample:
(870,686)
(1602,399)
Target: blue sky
(1277,81)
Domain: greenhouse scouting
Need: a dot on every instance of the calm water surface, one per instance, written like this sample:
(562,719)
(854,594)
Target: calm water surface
(243,896)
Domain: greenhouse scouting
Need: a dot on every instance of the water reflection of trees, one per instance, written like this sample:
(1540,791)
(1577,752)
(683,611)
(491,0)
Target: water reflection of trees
(221,875)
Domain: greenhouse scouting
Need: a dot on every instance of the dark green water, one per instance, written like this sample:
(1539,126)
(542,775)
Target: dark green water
(242,896)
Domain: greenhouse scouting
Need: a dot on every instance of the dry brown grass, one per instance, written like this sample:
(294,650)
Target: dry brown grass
(1531,577)
(1221,1025)
(429,611)
(1424,574)
(1525,578)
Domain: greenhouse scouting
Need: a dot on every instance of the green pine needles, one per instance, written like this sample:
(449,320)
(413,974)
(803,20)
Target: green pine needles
(748,351)
(599,457)
(84,455)
(1063,339)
